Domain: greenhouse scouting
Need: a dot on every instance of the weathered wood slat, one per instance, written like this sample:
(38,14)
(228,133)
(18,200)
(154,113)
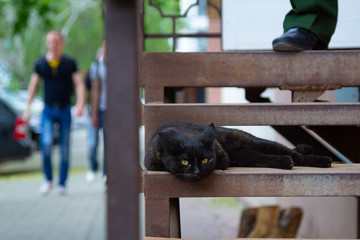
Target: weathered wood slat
(255,114)
(274,239)
(160,238)
(339,180)
(302,70)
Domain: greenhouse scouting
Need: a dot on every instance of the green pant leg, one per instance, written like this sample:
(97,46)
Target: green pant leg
(319,16)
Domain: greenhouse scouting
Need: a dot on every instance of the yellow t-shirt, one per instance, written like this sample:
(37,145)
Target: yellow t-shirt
(54,64)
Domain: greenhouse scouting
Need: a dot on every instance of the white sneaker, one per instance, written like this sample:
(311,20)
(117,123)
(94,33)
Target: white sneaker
(45,187)
(62,190)
(90,176)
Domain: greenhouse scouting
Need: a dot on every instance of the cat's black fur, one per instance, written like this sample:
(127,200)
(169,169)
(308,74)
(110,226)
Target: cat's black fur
(192,151)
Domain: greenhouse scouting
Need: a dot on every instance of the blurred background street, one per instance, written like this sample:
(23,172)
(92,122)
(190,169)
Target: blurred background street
(80,214)
(25,214)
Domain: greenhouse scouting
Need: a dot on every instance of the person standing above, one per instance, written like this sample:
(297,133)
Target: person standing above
(98,109)
(59,73)
(308,26)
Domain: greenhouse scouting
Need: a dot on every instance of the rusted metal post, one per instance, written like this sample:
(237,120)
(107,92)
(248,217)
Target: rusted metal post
(121,131)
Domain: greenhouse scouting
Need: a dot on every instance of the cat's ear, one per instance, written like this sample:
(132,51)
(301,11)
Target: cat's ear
(207,136)
(170,138)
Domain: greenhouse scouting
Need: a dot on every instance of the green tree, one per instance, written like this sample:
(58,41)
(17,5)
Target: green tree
(154,23)
(25,23)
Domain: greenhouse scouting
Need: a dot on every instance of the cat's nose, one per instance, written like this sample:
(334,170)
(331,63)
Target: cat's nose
(196,171)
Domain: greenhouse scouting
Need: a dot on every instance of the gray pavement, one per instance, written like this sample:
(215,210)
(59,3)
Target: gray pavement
(27,215)
(80,214)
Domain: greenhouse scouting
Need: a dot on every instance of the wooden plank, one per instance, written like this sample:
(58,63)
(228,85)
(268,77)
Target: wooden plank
(157,217)
(358,217)
(161,238)
(301,70)
(339,180)
(175,227)
(286,238)
(255,114)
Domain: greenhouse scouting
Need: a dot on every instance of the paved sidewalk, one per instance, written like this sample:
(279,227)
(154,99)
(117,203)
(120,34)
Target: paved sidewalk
(26,215)
(80,215)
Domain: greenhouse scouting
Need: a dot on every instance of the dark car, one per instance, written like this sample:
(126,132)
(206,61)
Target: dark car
(17,100)
(14,141)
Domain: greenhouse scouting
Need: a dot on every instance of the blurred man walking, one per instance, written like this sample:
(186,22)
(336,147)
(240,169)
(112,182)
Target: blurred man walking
(58,73)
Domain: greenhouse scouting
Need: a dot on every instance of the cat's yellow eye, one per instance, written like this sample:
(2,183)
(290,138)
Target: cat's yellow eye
(204,161)
(185,162)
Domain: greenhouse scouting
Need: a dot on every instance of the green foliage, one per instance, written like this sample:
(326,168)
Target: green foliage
(18,13)
(229,202)
(154,23)
(85,36)
(24,8)
(25,23)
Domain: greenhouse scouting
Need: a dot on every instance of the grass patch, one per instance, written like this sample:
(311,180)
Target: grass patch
(230,202)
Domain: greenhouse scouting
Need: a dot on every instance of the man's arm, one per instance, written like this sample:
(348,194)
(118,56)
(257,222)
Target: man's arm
(32,89)
(80,93)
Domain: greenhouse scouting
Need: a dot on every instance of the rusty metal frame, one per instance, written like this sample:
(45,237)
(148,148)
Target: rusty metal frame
(121,120)
(174,35)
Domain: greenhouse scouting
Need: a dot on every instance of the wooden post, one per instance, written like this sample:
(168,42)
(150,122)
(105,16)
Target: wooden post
(121,131)
(162,217)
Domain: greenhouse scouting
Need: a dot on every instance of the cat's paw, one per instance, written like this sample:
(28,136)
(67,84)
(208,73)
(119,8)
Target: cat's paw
(322,162)
(283,162)
(304,149)
(287,162)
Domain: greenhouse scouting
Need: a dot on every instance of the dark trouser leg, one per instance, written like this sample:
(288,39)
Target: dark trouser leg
(93,142)
(64,144)
(319,17)
(46,139)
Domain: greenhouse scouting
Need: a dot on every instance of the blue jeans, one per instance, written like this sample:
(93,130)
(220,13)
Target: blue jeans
(94,142)
(50,116)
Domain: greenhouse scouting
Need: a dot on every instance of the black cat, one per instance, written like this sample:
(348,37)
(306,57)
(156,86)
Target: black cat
(192,151)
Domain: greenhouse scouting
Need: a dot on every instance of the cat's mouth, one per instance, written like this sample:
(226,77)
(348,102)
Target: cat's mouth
(189,177)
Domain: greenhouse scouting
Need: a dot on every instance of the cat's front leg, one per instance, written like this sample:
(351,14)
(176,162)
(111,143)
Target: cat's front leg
(302,156)
(252,158)
(222,159)
(282,162)
(312,161)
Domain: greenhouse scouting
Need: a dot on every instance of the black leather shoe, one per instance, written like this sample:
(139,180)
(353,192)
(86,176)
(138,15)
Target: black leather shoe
(297,39)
